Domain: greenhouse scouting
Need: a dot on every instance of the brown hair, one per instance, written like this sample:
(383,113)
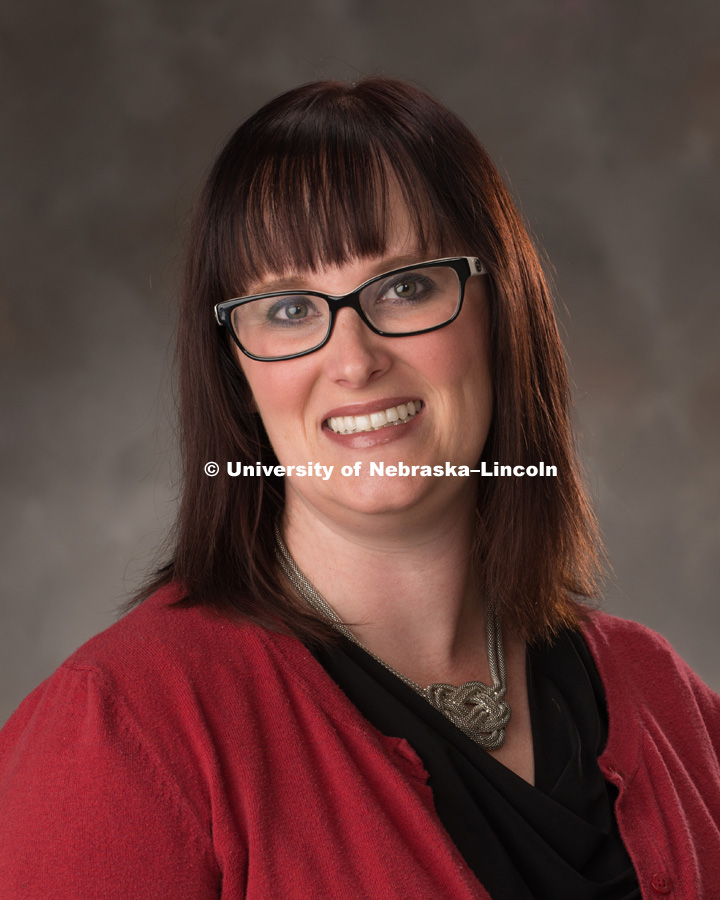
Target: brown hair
(305,180)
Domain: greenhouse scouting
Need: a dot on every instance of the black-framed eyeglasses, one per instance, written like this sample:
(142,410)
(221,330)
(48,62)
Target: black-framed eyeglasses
(407,301)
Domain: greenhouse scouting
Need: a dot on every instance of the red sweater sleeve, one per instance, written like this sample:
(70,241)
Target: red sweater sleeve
(86,811)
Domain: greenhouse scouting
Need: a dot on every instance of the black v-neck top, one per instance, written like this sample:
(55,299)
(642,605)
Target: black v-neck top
(557,840)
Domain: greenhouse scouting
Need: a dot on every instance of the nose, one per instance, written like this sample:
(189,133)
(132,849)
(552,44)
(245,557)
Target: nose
(355,355)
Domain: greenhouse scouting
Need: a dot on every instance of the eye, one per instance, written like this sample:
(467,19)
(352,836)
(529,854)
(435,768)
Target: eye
(410,286)
(288,310)
(405,289)
(295,310)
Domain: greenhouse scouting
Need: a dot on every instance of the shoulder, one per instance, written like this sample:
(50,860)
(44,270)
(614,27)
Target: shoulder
(610,636)
(161,643)
(617,642)
(107,747)
(165,690)
(634,652)
(156,633)
(169,673)
(642,673)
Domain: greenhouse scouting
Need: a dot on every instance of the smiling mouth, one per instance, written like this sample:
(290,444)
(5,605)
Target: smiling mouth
(384,418)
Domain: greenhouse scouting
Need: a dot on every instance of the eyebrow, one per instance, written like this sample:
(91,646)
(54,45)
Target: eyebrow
(291,282)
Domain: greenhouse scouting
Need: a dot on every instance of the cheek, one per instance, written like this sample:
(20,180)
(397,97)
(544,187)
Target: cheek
(460,357)
(475,349)
(278,391)
(463,366)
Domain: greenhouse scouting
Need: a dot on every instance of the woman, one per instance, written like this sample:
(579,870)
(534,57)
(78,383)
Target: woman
(366,671)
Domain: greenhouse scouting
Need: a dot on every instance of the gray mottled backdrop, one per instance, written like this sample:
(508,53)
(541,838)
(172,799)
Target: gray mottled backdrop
(606,118)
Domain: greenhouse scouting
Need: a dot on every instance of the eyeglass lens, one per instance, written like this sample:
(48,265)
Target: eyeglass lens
(398,304)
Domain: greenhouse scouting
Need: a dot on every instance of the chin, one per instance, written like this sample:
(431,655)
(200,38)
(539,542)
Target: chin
(381,496)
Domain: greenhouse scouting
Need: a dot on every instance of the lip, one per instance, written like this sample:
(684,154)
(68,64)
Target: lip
(364,409)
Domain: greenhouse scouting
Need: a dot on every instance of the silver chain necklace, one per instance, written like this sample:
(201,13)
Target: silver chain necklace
(478,709)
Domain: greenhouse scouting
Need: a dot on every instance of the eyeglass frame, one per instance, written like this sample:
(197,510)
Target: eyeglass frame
(465,267)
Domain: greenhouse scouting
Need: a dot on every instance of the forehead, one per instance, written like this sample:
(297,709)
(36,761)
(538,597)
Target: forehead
(287,236)
(403,246)
(350,274)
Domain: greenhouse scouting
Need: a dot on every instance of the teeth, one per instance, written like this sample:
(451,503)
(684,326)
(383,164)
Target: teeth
(394,415)
(362,423)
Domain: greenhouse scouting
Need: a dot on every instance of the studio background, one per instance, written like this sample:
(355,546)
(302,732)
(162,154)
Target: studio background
(604,115)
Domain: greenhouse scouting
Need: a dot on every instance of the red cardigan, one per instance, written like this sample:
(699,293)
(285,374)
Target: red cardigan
(177,755)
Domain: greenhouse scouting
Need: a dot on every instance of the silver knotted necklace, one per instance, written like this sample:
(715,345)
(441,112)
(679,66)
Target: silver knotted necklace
(479,710)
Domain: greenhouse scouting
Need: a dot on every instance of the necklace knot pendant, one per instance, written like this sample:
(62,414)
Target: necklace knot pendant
(475,708)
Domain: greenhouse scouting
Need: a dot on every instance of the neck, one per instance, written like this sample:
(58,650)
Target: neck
(405,589)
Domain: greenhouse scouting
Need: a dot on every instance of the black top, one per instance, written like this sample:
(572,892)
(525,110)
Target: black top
(557,840)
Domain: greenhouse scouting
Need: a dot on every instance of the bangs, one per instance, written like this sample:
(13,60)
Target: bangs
(320,187)
(327,208)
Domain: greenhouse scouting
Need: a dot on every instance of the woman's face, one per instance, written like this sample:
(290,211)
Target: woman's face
(444,373)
